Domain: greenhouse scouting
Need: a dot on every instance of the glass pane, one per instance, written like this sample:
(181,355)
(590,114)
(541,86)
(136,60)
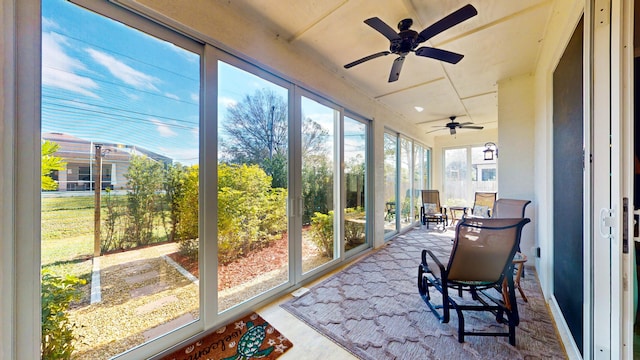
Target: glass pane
(390,176)
(456,179)
(253,150)
(354,145)
(427,168)
(120,125)
(406,154)
(485,172)
(318,175)
(418,179)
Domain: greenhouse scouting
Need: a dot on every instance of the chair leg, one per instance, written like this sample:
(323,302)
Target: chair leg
(516,282)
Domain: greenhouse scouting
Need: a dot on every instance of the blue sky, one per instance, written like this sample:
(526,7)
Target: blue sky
(103,81)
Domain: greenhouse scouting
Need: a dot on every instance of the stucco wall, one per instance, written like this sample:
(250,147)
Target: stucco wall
(515,164)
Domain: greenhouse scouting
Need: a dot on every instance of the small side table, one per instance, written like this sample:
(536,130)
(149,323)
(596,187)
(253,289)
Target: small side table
(518,262)
(453,210)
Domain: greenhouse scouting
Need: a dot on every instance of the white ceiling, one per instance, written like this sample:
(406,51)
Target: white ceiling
(503,40)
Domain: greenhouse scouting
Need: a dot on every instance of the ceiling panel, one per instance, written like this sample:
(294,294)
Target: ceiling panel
(502,41)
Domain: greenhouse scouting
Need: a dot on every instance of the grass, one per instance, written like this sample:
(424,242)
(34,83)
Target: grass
(67,237)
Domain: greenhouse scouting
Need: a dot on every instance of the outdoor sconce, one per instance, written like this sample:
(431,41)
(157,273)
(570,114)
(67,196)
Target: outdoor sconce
(490,149)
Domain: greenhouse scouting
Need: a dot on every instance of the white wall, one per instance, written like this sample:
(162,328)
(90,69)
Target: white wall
(516,143)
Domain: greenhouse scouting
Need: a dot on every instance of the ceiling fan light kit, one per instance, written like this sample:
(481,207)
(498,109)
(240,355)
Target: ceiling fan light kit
(407,40)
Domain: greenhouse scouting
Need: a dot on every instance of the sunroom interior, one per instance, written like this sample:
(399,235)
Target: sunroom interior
(502,89)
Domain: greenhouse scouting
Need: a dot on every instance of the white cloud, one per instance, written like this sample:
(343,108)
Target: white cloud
(195,97)
(188,156)
(124,72)
(228,102)
(172,96)
(163,129)
(58,68)
(49,24)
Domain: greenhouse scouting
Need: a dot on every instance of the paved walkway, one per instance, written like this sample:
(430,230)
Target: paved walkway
(145,272)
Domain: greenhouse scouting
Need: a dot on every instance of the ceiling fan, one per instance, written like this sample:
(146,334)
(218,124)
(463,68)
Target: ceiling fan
(407,40)
(453,125)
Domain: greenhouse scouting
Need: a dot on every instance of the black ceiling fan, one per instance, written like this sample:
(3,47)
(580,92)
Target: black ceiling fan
(453,125)
(407,40)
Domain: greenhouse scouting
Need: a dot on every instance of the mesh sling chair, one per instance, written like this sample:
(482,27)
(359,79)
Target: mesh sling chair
(480,261)
(431,211)
(513,208)
(483,204)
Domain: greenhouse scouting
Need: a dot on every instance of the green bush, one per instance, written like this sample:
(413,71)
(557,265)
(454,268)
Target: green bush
(58,339)
(353,230)
(250,213)
(187,205)
(322,232)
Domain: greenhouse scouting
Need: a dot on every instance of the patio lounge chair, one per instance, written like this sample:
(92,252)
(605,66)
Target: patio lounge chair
(431,211)
(483,204)
(513,208)
(480,261)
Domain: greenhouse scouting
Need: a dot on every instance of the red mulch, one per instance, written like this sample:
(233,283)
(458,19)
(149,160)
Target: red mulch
(255,263)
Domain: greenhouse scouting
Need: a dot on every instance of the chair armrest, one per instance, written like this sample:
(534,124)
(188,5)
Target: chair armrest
(435,259)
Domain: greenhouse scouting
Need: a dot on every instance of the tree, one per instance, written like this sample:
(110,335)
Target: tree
(145,177)
(49,164)
(256,133)
(256,129)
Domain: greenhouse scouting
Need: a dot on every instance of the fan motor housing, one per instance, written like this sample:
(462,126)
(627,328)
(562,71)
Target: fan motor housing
(406,43)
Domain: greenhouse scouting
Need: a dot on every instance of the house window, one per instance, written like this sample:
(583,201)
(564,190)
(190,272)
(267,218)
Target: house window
(465,173)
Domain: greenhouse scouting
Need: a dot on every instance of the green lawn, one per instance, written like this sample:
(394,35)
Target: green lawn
(67,225)
(67,235)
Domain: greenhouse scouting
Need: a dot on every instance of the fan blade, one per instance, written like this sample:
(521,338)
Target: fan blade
(428,132)
(465,123)
(395,69)
(439,54)
(451,20)
(383,28)
(473,127)
(366,58)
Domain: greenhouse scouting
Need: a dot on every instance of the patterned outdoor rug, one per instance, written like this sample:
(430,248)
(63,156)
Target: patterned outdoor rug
(248,338)
(373,310)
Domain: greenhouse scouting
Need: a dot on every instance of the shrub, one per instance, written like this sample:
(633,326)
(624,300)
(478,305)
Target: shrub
(187,205)
(322,232)
(353,231)
(250,213)
(58,339)
(144,177)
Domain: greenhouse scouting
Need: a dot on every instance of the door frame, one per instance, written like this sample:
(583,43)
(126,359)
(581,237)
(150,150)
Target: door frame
(622,89)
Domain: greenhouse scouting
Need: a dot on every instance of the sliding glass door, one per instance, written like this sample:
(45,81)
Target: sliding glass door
(354,140)
(319,175)
(253,150)
(120,130)
(390,181)
(406,173)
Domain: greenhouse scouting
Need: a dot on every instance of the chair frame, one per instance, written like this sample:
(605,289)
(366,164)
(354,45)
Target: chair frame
(512,208)
(433,197)
(481,291)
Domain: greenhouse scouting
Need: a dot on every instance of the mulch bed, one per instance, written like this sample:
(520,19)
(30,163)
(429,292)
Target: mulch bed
(248,267)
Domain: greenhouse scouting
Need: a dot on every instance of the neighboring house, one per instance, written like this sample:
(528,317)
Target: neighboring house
(80,158)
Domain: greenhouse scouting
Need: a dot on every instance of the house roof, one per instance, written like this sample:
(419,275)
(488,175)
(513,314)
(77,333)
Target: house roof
(72,147)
